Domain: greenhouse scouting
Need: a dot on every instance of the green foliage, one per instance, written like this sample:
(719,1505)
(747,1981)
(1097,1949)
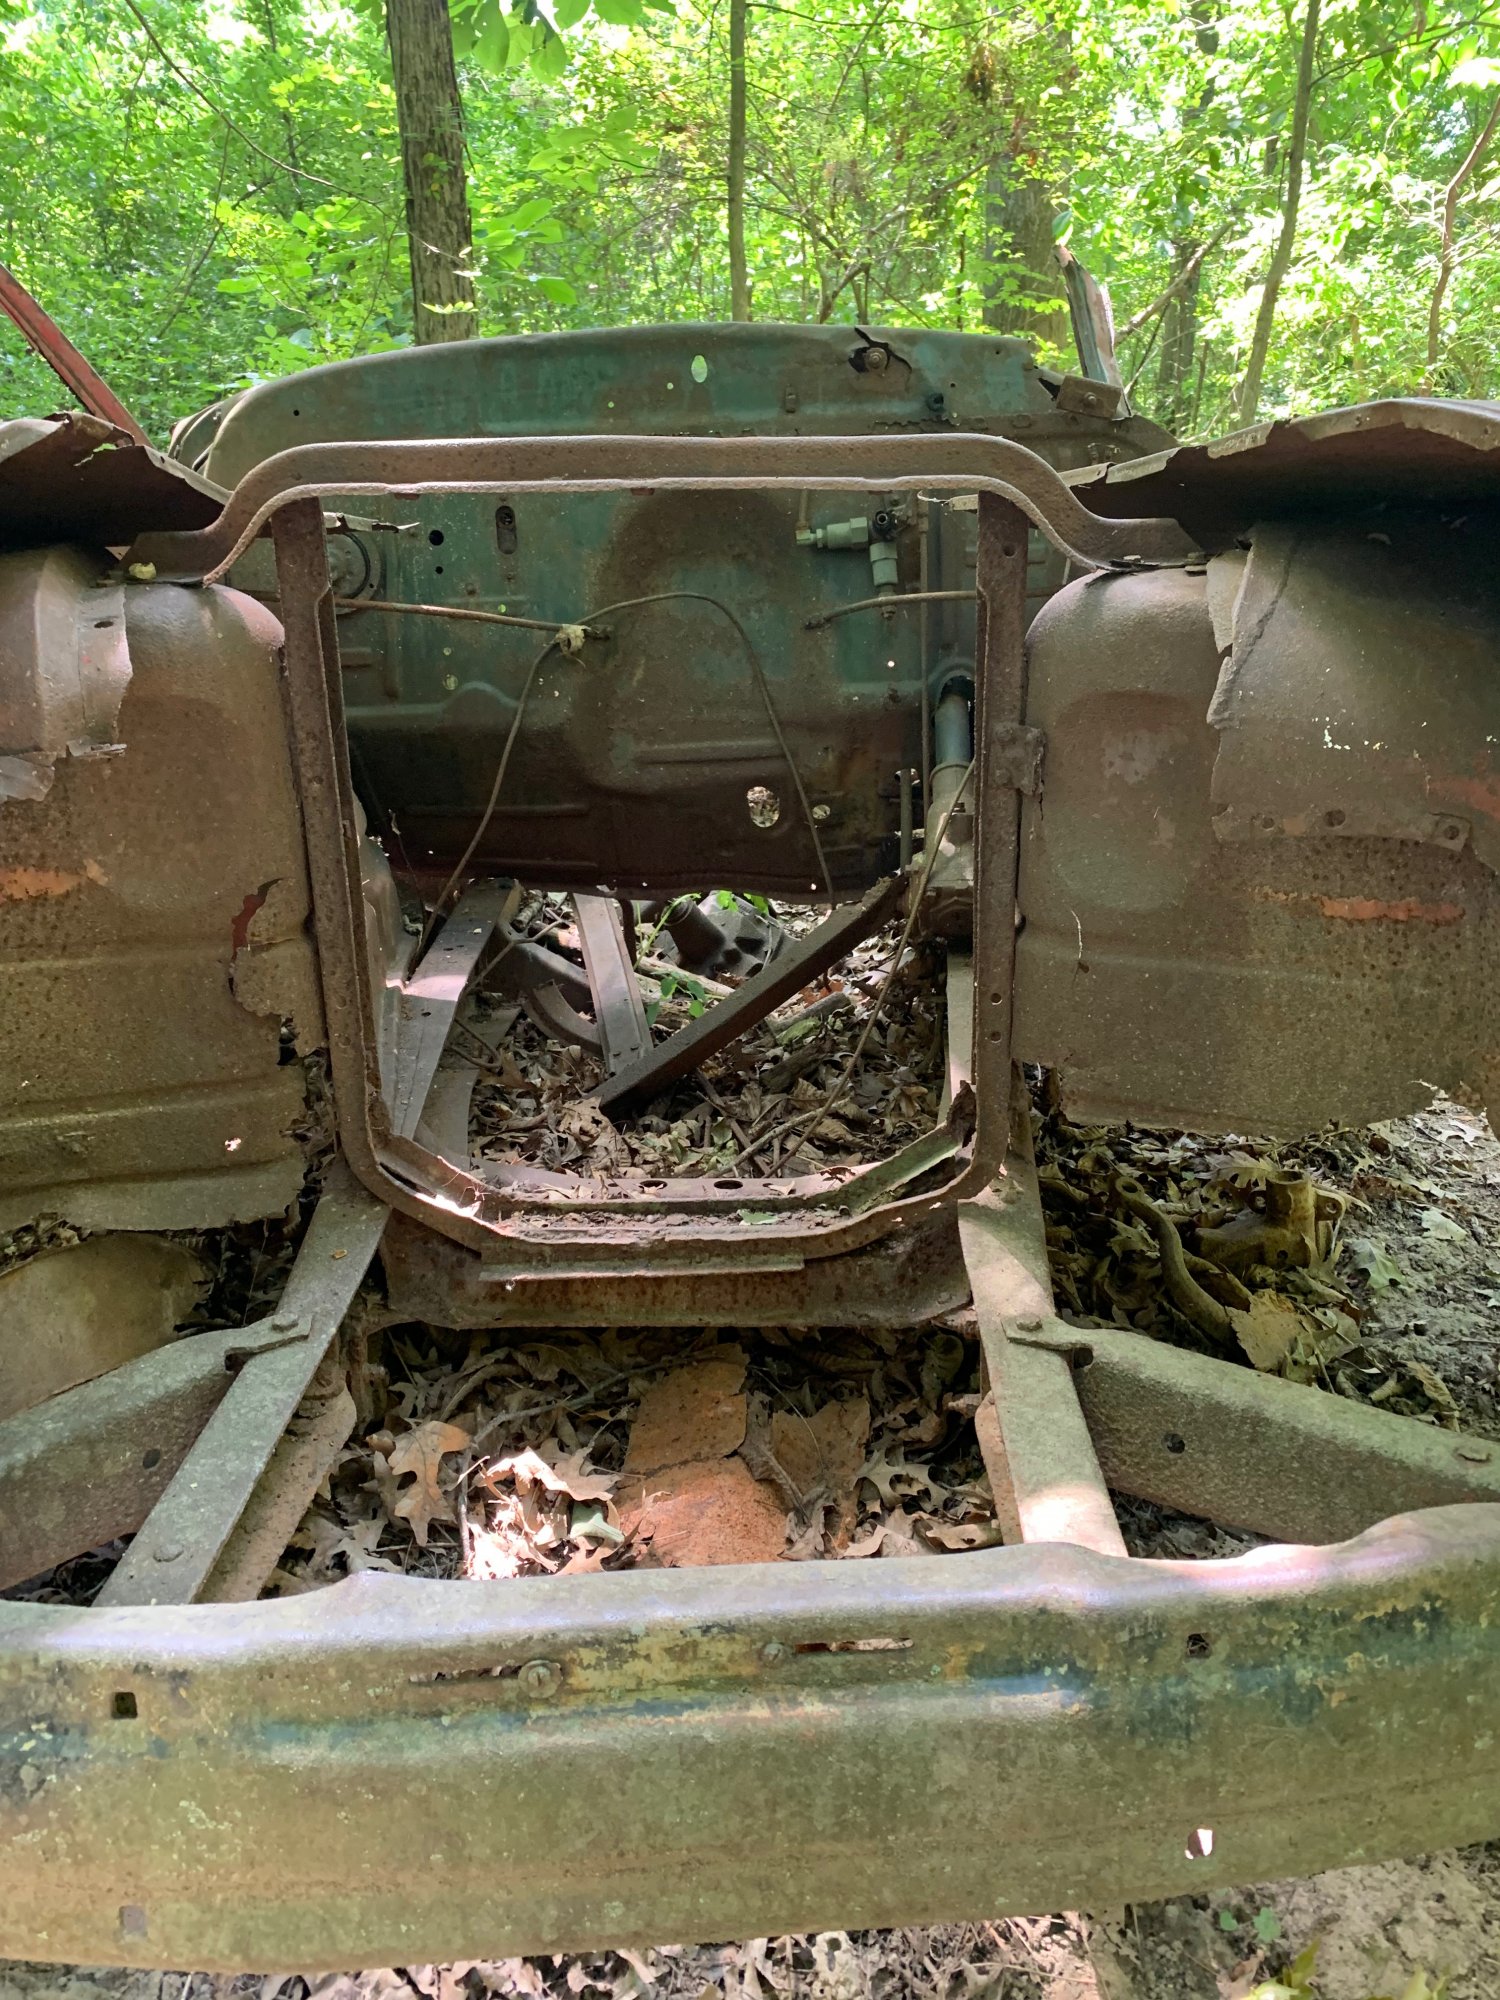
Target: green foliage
(214,194)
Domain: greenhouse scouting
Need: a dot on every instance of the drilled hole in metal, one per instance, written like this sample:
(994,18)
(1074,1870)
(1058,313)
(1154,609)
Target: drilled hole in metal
(150,1459)
(1201,1844)
(1175,1444)
(763,805)
(123,1707)
(1199,1645)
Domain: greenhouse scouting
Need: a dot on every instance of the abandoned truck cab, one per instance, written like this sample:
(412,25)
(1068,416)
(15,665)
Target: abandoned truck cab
(1181,764)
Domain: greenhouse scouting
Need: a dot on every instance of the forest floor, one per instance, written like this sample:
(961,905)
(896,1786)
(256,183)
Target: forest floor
(572,1451)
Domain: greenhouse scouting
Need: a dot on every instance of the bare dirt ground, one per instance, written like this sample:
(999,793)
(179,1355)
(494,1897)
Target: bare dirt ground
(560,1453)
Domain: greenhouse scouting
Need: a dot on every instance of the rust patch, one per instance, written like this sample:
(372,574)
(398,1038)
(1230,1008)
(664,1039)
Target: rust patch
(1363,909)
(25,885)
(1481,794)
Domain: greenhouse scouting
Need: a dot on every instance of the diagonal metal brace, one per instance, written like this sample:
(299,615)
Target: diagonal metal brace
(715,1030)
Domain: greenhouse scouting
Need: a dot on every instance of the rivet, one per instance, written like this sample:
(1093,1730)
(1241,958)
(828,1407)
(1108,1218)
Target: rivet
(772,1653)
(543,1677)
(284,1323)
(1028,1325)
(168,1552)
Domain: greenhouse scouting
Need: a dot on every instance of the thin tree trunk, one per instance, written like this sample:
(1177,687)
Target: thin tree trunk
(1281,256)
(1179,333)
(1449,258)
(1019,222)
(430,114)
(739,282)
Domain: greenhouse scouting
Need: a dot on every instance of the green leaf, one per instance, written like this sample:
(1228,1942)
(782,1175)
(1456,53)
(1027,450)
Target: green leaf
(238,287)
(1266,1925)
(558,290)
(1379,1269)
(568,13)
(529,212)
(492,47)
(619,13)
(550,60)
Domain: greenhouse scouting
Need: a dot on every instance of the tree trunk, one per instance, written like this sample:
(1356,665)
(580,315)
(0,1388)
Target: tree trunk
(739,282)
(1281,256)
(1179,334)
(1026,294)
(430,114)
(1448,258)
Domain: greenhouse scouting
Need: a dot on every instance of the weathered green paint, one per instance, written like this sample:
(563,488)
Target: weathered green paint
(635,770)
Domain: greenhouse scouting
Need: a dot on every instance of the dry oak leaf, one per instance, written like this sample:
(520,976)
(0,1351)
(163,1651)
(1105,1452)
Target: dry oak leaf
(421,1452)
(696,1412)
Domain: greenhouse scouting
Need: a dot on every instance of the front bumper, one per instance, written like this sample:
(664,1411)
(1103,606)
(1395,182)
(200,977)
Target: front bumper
(394,1771)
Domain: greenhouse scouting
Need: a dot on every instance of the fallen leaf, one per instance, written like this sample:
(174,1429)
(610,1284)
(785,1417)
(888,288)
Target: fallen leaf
(823,1454)
(1378,1267)
(1442,1228)
(711,1511)
(1269,1330)
(966,1535)
(420,1452)
(696,1412)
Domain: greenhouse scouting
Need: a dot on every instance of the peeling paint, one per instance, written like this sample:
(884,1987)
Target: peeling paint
(25,885)
(1363,909)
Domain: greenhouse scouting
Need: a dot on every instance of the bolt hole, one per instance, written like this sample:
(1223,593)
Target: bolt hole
(435,536)
(103,624)
(1008,549)
(698,369)
(437,569)
(1201,1843)
(763,805)
(729,1184)
(1175,1444)
(1334,818)
(150,1460)
(132,1916)
(1199,1645)
(123,1707)
(1083,1357)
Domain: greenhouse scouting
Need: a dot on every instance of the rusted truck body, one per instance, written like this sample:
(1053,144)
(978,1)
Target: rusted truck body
(1188,755)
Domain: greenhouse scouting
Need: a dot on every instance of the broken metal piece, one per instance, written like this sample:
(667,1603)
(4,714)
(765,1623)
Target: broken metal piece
(720,933)
(624,1035)
(724,1023)
(78,479)
(432,994)
(42,333)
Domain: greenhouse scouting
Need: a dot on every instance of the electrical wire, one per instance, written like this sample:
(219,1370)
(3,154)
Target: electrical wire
(630,604)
